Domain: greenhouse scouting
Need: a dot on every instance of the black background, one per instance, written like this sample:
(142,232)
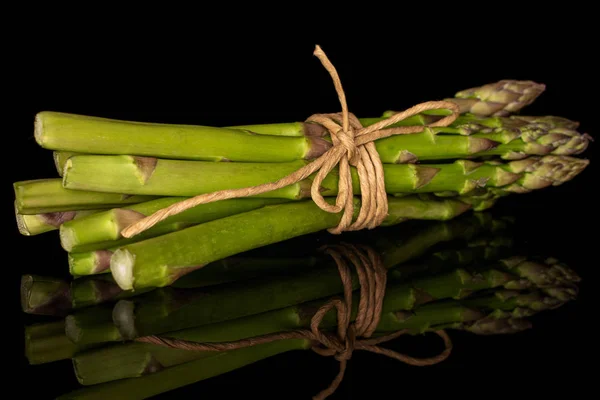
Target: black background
(196,76)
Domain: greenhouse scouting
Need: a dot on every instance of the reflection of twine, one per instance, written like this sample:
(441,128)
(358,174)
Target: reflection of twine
(372,278)
(352,145)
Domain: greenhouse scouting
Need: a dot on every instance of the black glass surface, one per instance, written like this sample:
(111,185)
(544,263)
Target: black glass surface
(224,85)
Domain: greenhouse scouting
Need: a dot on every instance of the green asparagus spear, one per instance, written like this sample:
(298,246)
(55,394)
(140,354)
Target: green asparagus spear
(149,176)
(103,230)
(35,224)
(48,195)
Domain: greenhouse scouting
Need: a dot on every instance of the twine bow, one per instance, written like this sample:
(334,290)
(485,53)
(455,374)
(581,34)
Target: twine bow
(352,146)
(372,277)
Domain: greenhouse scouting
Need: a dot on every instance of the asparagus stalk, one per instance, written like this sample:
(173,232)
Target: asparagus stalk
(149,176)
(84,134)
(103,230)
(48,195)
(98,261)
(509,137)
(35,224)
(153,262)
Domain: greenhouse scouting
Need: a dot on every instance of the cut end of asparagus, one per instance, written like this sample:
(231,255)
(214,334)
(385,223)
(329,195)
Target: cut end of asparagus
(121,267)
(21,223)
(124,318)
(38,128)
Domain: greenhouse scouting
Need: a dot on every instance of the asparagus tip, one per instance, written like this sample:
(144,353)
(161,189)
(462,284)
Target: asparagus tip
(124,319)
(121,267)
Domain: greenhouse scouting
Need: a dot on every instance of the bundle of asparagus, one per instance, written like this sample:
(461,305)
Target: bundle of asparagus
(115,173)
(456,275)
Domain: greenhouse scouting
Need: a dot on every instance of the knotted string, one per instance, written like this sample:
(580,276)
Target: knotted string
(372,277)
(352,146)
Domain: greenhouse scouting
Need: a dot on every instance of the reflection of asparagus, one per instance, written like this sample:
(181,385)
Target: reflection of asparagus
(144,318)
(98,261)
(401,310)
(185,374)
(92,326)
(44,295)
(47,342)
(48,196)
(150,176)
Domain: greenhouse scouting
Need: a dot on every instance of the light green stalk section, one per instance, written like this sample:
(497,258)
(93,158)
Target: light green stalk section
(35,224)
(103,230)
(162,260)
(85,134)
(163,177)
(185,374)
(48,195)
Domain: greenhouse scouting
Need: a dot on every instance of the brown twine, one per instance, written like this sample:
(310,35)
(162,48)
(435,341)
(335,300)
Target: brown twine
(372,276)
(352,145)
